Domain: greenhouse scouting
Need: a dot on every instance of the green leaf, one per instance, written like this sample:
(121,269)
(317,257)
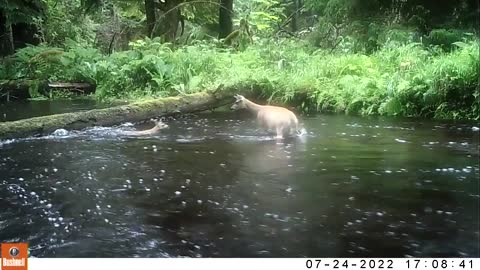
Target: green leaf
(65,61)
(460,44)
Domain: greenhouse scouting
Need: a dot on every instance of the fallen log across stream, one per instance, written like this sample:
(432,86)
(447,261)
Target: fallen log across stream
(133,112)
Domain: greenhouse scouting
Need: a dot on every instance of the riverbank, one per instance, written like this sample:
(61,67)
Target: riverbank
(410,80)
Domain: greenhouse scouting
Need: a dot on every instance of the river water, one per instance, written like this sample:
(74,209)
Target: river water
(212,185)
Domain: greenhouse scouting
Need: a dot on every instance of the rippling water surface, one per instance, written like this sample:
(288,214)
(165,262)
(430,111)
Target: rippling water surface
(213,186)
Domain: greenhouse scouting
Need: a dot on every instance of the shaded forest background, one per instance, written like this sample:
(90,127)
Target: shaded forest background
(111,24)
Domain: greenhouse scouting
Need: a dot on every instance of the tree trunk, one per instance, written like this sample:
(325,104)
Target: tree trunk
(168,20)
(294,20)
(115,115)
(225,18)
(163,18)
(6,35)
(150,14)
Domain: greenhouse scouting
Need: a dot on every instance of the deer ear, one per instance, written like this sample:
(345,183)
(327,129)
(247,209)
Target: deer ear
(239,97)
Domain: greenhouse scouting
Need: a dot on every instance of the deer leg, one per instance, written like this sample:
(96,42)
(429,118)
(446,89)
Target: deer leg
(279,133)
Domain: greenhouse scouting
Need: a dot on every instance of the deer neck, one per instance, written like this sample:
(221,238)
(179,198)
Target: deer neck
(154,129)
(252,106)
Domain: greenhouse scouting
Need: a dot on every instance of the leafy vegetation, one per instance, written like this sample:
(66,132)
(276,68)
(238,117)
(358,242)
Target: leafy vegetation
(358,57)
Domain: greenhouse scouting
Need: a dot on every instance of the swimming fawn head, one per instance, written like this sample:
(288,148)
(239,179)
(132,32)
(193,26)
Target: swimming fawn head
(280,119)
(159,124)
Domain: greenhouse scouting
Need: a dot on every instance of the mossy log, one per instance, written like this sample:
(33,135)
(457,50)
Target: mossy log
(83,88)
(134,112)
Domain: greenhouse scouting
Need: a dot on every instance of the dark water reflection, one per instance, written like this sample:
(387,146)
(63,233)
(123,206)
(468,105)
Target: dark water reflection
(11,111)
(210,186)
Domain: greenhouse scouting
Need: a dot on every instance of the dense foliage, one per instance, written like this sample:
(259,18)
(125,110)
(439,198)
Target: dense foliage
(396,57)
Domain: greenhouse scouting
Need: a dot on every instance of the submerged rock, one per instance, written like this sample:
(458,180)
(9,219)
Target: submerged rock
(60,132)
